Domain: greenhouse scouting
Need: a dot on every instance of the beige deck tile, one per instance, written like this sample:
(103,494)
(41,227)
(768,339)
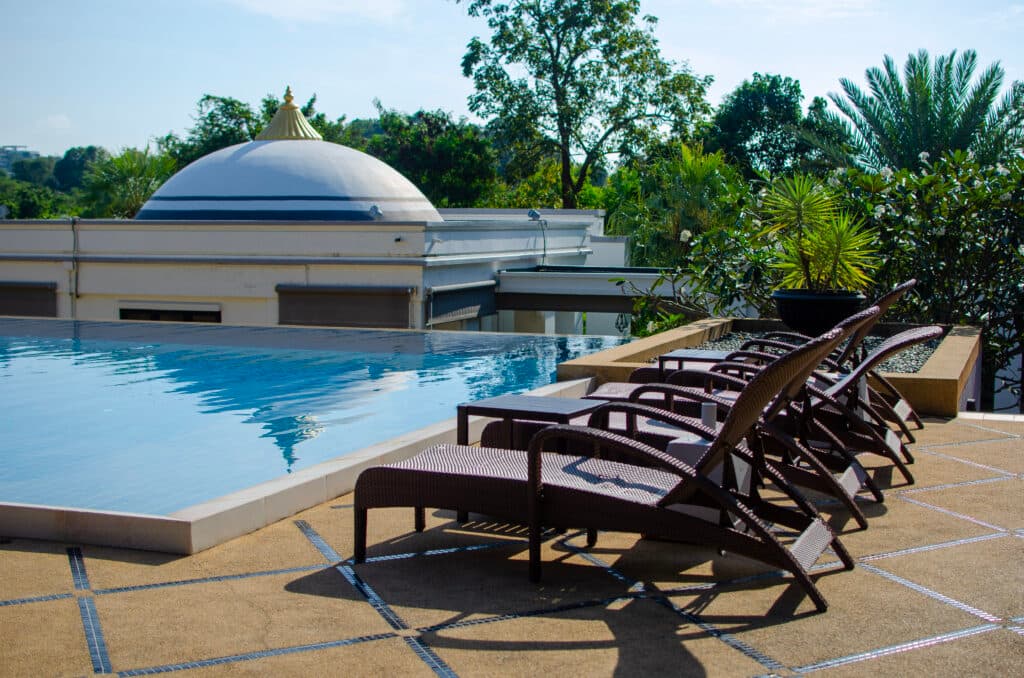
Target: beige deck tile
(391,531)
(956,431)
(30,568)
(934,466)
(865,612)
(187,623)
(277,546)
(995,653)
(1015,427)
(966,573)
(898,524)
(997,503)
(1005,455)
(385,658)
(43,639)
(468,585)
(637,637)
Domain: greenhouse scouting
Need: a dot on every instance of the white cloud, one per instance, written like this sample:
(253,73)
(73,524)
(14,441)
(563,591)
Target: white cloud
(805,9)
(323,10)
(58,122)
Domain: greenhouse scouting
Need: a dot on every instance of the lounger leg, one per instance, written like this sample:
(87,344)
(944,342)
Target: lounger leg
(420,518)
(462,517)
(591,537)
(360,535)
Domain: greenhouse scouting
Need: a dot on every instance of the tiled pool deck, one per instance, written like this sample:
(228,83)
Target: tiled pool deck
(939,590)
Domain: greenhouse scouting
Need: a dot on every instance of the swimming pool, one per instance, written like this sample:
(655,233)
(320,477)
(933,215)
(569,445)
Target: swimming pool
(152,418)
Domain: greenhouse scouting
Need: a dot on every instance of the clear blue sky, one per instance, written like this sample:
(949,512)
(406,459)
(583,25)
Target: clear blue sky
(117,73)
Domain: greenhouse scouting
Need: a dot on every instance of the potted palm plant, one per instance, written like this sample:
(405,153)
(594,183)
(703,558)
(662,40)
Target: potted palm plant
(825,254)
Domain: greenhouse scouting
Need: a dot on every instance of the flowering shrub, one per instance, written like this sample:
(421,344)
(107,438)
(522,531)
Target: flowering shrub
(958,227)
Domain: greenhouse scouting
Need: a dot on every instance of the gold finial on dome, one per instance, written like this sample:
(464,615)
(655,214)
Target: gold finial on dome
(288,123)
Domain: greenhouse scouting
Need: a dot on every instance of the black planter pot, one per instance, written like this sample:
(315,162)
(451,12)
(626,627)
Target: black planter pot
(814,313)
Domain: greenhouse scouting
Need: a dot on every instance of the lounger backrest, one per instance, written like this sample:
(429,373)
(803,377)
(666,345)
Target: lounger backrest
(850,326)
(751,402)
(883,303)
(770,382)
(891,346)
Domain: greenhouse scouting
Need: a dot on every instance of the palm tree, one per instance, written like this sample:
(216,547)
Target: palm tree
(934,109)
(119,186)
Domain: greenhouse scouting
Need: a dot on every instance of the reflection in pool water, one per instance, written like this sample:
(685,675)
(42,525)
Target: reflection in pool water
(153,418)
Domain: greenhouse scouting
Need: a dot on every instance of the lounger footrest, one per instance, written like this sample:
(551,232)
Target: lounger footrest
(853,479)
(811,543)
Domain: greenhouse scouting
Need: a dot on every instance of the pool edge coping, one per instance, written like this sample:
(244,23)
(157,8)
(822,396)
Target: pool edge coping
(213,522)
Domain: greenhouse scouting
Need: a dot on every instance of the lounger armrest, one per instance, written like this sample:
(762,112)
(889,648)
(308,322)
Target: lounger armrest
(644,454)
(599,417)
(791,337)
(682,392)
(756,357)
(762,343)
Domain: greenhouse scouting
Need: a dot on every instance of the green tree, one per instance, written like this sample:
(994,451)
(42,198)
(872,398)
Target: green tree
(451,161)
(24,200)
(70,169)
(679,193)
(958,227)
(220,122)
(119,186)
(933,109)
(584,73)
(755,124)
(38,171)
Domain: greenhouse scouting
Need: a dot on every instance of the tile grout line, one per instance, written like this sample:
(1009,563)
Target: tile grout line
(94,636)
(896,649)
(968,462)
(708,628)
(932,547)
(963,607)
(207,580)
(376,602)
(91,626)
(951,486)
(250,656)
(35,599)
(954,514)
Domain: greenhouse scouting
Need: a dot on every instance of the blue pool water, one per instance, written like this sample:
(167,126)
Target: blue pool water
(151,418)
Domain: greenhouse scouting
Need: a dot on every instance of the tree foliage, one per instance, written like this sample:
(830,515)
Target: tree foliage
(449,160)
(37,171)
(956,225)
(933,109)
(69,171)
(25,200)
(220,122)
(119,186)
(755,124)
(583,73)
(679,192)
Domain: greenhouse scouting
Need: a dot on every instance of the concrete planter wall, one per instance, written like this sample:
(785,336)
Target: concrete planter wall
(943,387)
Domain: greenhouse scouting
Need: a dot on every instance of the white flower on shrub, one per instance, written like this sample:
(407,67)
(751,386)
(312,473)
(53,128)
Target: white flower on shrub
(923,156)
(886,173)
(879,211)
(1001,169)
(685,235)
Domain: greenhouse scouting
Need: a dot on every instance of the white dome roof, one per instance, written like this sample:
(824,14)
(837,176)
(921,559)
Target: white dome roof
(289,180)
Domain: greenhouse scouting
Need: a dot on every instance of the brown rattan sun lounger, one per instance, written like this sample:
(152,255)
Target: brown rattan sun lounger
(620,484)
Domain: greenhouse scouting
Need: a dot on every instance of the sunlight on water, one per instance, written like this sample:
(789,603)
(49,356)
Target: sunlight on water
(152,418)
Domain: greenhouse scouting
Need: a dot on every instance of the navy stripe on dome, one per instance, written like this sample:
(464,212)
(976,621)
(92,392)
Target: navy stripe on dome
(257,215)
(339,198)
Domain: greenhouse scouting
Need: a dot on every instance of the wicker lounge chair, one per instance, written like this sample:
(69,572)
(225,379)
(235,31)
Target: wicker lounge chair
(786,451)
(651,492)
(889,402)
